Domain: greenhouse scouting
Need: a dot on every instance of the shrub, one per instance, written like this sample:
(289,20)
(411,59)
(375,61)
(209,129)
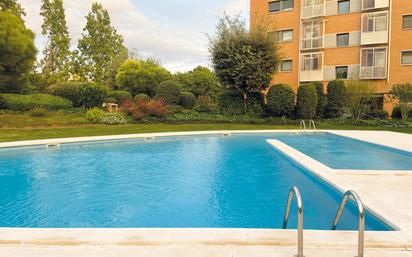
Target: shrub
(336,99)
(397,114)
(82,94)
(142,109)
(280,100)
(231,102)
(203,104)
(97,115)
(187,100)
(38,112)
(359,97)
(255,102)
(307,101)
(320,109)
(404,93)
(27,102)
(142,97)
(380,114)
(120,96)
(169,91)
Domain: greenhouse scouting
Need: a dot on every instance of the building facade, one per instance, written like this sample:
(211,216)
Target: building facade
(323,40)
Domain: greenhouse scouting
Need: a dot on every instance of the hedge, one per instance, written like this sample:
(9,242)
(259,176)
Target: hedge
(322,101)
(230,102)
(187,100)
(336,99)
(120,96)
(82,94)
(307,101)
(169,91)
(280,100)
(141,97)
(16,102)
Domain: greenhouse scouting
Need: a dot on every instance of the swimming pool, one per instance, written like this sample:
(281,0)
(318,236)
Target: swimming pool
(340,152)
(199,182)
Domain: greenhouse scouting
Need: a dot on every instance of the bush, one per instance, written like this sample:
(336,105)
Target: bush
(280,100)
(397,114)
(38,112)
(203,104)
(142,97)
(320,109)
(380,114)
(120,96)
(187,100)
(255,102)
(230,102)
(27,102)
(143,109)
(99,116)
(82,94)
(307,101)
(336,99)
(169,91)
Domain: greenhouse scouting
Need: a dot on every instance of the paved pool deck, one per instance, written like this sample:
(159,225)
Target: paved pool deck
(387,194)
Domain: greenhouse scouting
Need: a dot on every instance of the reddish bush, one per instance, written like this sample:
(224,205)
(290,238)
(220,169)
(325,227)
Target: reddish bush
(144,108)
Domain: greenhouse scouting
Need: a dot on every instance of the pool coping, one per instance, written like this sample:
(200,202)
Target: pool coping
(399,239)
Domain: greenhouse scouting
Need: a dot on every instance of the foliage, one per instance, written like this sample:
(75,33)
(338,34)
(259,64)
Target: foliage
(120,96)
(307,101)
(141,97)
(397,114)
(38,112)
(16,102)
(358,95)
(322,100)
(55,63)
(199,81)
(280,100)
(204,104)
(99,46)
(230,102)
(37,82)
(404,93)
(14,7)
(141,76)
(336,99)
(17,52)
(141,110)
(243,61)
(99,116)
(169,91)
(187,100)
(82,94)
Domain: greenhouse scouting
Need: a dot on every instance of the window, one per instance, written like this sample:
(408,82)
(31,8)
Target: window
(342,39)
(406,58)
(407,21)
(368,4)
(286,65)
(312,35)
(285,35)
(280,5)
(312,62)
(312,2)
(373,63)
(343,6)
(372,22)
(342,72)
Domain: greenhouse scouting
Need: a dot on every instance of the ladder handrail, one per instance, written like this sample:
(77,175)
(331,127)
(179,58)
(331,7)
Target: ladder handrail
(302,125)
(295,191)
(312,125)
(361,210)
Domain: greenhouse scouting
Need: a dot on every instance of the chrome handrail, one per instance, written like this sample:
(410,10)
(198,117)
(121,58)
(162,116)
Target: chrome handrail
(302,125)
(295,191)
(361,210)
(312,125)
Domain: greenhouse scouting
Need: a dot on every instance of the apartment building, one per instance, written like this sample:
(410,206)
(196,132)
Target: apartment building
(323,40)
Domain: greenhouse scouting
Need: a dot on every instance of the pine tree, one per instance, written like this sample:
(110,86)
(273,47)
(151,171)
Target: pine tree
(13,6)
(55,63)
(100,46)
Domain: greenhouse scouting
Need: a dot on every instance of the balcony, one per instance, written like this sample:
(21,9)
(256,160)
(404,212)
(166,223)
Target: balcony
(372,72)
(374,4)
(373,63)
(376,37)
(311,67)
(313,11)
(312,43)
(374,28)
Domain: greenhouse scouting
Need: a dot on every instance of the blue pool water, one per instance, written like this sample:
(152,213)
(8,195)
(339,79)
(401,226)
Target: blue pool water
(344,153)
(214,182)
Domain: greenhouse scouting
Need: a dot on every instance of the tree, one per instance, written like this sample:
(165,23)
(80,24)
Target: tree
(12,6)
(99,46)
(56,60)
(199,81)
(358,96)
(244,61)
(17,52)
(141,77)
(336,99)
(404,93)
(307,101)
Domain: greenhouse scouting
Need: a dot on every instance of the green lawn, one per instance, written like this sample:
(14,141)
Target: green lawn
(15,127)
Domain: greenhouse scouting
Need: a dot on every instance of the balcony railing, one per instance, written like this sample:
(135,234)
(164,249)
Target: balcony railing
(374,37)
(313,11)
(374,4)
(372,72)
(312,43)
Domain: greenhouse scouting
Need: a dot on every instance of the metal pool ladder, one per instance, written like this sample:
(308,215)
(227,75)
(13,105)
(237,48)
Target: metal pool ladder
(302,125)
(295,191)
(311,126)
(361,210)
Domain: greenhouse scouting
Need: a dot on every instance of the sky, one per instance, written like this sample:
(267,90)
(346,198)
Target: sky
(173,32)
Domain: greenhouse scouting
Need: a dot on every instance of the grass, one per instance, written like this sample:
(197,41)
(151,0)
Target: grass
(16,127)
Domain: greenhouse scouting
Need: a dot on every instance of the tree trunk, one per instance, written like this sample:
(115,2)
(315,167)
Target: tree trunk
(245,101)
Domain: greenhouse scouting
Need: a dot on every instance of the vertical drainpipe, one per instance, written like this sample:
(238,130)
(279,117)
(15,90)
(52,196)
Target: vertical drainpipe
(299,40)
(389,42)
